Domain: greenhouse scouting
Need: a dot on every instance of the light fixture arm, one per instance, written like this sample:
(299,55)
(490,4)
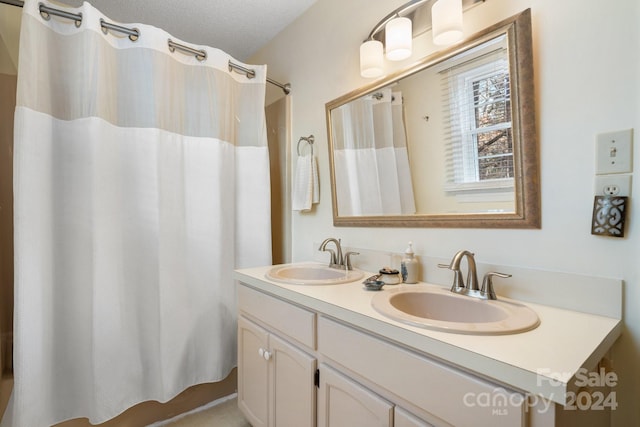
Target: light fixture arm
(408,8)
(399,12)
(401,26)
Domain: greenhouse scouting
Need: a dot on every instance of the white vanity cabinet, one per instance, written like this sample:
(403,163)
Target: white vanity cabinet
(363,380)
(275,377)
(373,373)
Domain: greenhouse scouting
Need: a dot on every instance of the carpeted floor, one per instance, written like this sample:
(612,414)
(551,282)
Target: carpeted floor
(224,414)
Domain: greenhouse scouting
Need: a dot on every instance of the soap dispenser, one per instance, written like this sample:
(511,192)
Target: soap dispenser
(409,266)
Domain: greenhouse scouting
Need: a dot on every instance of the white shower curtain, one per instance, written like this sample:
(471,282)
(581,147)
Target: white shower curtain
(141,182)
(371,158)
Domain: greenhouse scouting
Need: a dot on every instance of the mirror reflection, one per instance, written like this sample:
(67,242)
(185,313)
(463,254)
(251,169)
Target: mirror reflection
(445,140)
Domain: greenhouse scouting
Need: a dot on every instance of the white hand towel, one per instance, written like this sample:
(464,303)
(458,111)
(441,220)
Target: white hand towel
(306,189)
(316,181)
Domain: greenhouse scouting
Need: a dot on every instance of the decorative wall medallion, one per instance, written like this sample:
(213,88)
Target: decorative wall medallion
(608,216)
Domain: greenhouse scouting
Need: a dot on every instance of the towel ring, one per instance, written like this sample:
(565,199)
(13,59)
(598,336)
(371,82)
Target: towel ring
(308,139)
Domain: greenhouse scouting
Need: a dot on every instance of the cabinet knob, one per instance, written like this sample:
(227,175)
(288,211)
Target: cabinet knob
(266,355)
(261,352)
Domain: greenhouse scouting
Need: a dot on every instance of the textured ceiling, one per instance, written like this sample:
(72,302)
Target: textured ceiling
(239,27)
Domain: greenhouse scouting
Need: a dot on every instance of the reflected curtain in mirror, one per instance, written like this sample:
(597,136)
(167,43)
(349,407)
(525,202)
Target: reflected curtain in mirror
(371,159)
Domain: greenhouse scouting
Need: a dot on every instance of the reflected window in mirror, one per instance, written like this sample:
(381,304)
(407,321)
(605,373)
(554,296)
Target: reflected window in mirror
(478,125)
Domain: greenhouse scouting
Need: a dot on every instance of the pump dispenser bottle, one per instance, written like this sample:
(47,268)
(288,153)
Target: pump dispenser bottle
(409,266)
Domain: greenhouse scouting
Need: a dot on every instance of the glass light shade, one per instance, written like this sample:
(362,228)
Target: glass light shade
(446,21)
(398,39)
(371,59)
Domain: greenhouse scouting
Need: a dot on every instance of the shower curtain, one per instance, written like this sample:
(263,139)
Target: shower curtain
(141,182)
(371,158)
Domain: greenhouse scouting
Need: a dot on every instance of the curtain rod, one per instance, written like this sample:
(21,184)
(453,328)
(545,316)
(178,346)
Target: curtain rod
(134,33)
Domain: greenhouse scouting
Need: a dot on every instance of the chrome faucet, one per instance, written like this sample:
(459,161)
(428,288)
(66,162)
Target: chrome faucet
(472,276)
(487,291)
(471,288)
(337,259)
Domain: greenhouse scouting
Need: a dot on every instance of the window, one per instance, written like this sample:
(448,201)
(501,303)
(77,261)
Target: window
(479,124)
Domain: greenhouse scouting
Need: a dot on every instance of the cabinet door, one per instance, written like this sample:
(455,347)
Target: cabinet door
(404,419)
(345,403)
(293,393)
(253,389)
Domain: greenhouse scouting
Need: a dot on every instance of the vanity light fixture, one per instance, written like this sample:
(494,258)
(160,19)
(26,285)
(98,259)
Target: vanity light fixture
(446,18)
(371,59)
(409,20)
(398,38)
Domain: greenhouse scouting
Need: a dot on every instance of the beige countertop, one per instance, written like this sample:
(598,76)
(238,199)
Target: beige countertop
(542,361)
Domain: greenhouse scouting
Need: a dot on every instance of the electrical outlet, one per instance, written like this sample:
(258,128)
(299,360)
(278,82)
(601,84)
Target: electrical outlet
(613,185)
(611,190)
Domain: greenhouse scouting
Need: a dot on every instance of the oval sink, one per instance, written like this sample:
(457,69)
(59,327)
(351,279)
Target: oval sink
(445,311)
(312,274)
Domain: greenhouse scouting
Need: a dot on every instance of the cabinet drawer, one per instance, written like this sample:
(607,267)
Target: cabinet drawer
(449,394)
(292,321)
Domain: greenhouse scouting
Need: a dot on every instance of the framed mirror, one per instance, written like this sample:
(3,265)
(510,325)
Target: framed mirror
(448,142)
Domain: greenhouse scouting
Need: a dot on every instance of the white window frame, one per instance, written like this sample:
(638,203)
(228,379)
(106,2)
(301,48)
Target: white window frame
(465,167)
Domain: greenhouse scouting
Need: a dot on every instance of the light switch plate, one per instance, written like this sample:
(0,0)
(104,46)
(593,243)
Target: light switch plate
(614,152)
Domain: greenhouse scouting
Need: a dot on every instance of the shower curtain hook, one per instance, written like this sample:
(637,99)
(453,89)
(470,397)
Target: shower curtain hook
(308,139)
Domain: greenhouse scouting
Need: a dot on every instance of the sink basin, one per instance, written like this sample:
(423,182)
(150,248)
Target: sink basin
(312,274)
(441,310)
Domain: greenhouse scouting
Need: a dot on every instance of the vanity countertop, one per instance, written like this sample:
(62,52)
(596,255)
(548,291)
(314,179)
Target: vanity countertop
(543,361)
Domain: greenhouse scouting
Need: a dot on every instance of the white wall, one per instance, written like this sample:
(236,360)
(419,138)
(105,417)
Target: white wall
(587,71)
